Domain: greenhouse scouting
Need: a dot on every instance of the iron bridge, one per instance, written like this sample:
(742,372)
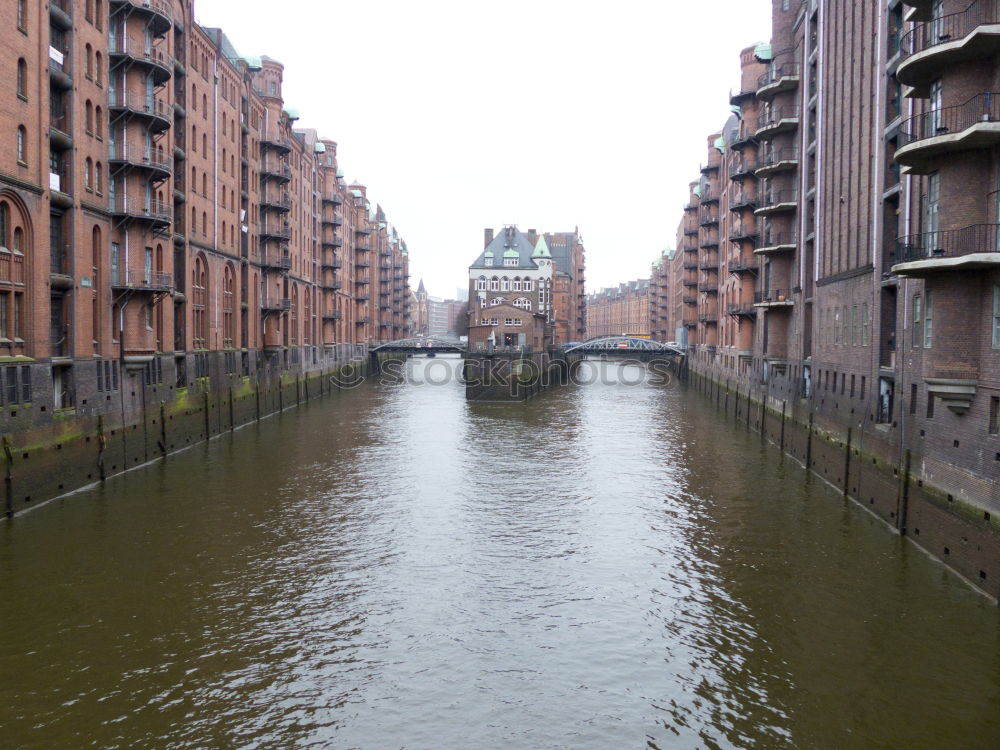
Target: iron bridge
(625,345)
(420,346)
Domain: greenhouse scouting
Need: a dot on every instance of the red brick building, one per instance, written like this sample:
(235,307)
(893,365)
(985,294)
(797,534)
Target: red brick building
(624,310)
(839,258)
(159,211)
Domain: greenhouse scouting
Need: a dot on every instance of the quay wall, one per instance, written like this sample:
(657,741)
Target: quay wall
(141,417)
(949,513)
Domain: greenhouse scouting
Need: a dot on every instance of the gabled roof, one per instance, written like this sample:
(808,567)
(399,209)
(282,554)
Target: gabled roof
(508,243)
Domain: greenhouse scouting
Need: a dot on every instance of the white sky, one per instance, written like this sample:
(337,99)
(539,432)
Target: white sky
(463,114)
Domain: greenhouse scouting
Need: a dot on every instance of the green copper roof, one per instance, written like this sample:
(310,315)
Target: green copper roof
(541,249)
(293,114)
(356,193)
(340,171)
(697,191)
(489,253)
(320,148)
(720,143)
(254,63)
(511,253)
(763,52)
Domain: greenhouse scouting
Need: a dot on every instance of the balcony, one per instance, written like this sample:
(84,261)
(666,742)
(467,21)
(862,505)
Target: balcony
(277,304)
(709,168)
(778,160)
(276,170)
(709,219)
(744,138)
(970,248)
(689,300)
(331,286)
(158,113)
(333,198)
(331,265)
(778,80)
(772,243)
(776,120)
(268,231)
(742,268)
(364,229)
(158,63)
(774,298)
(278,201)
(333,218)
(709,243)
(691,207)
(690,266)
(709,287)
(141,280)
(742,168)
(742,310)
(279,261)
(141,208)
(59,13)
(332,315)
(742,234)
(59,70)
(156,12)
(778,201)
(275,143)
(709,197)
(743,201)
(931,47)
(690,231)
(363,320)
(708,318)
(140,156)
(690,248)
(972,125)
(690,283)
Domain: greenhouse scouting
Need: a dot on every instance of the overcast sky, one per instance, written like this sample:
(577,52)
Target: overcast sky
(548,114)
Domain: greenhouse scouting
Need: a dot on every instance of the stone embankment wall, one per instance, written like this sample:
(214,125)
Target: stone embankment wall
(871,465)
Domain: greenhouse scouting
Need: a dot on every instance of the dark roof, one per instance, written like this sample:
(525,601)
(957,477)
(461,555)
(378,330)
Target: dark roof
(509,238)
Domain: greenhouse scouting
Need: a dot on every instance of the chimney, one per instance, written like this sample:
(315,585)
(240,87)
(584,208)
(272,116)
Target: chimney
(487,236)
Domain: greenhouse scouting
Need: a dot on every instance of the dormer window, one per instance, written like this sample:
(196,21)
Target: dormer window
(510,262)
(488,262)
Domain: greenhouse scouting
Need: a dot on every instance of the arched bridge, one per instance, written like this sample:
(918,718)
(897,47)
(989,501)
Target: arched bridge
(420,346)
(625,345)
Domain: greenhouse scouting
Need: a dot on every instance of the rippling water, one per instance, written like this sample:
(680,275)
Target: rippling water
(602,567)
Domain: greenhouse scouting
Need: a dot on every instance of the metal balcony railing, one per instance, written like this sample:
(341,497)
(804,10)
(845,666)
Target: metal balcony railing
(140,104)
(274,260)
(776,72)
(774,156)
(275,168)
(140,207)
(771,238)
(137,49)
(954,243)
(771,116)
(278,304)
(281,231)
(772,296)
(778,197)
(981,108)
(951,27)
(139,279)
(138,154)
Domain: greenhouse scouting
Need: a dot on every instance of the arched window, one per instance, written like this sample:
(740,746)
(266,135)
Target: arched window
(99,13)
(88,11)
(497,301)
(88,174)
(22,79)
(228,305)
(295,315)
(307,317)
(204,106)
(225,166)
(494,284)
(194,97)
(89,58)
(88,117)
(99,69)
(481,284)
(22,15)
(194,139)
(204,144)
(505,284)
(523,302)
(22,145)
(527,285)
(204,223)
(99,178)
(4,225)
(516,286)
(99,121)
(199,301)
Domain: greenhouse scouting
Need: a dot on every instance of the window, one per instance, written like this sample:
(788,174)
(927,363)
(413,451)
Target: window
(854,325)
(494,284)
(99,69)
(228,297)
(917,322)
(89,60)
(996,316)
(527,285)
(523,303)
(481,284)
(510,262)
(99,13)
(994,415)
(488,262)
(22,79)
(22,147)
(88,117)
(88,174)
(22,16)
(88,11)
(865,325)
(99,178)
(928,318)
(504,284)
(99,122)
(199,284)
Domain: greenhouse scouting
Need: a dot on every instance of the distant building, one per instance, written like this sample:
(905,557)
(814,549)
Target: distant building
(621,310)
(510,291)
(569,299)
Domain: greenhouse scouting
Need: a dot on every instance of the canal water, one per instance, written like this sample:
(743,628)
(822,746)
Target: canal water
(605,566)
